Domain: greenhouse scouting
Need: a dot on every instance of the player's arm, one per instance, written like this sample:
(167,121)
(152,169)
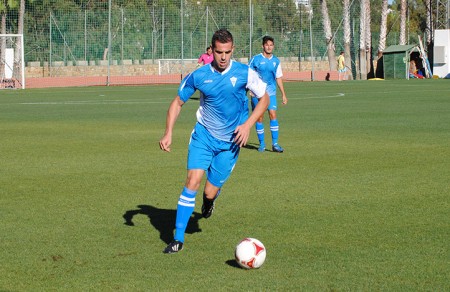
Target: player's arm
(243,131)
(258,88)
(279,79)
(281,87)
(172,115)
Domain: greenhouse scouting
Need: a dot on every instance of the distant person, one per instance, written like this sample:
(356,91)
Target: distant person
(269,68)
(223,127)
(342,69)
(206,58)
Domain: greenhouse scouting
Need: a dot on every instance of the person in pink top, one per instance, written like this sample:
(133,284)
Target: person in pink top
(206,58)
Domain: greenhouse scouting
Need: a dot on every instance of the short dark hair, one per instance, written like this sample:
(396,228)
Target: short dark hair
(266,39)
(222,36)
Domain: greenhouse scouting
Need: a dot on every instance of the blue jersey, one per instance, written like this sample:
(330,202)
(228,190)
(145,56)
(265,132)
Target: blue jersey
(223,102)
(269,69)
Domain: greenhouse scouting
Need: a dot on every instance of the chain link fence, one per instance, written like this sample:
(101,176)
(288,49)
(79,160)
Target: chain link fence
(141,42)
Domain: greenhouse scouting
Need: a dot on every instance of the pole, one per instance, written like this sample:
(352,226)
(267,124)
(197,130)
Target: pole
(251,27)
(182,39)
(206,28)
(109,43)
(50,47)
(300,43)
(311,43)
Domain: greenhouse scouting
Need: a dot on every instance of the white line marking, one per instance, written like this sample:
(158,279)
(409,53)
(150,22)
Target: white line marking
(312,97)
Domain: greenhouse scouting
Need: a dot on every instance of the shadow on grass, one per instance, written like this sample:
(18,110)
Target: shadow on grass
(163,220)
(234,264)
(251,146)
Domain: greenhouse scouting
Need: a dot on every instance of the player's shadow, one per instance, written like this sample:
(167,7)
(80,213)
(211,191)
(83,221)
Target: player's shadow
(251,146)
(163,220)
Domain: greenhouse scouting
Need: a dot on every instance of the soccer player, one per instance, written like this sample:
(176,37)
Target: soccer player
(269,69)
(223,127)
(206,58)
(341,66)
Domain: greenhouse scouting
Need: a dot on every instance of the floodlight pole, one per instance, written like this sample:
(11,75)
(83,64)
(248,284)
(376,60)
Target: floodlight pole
(109,43)
(311,43)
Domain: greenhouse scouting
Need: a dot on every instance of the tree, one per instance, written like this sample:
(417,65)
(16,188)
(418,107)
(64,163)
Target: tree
(362,40)
(403,6)
(328,35)
(383,28)
(347,33)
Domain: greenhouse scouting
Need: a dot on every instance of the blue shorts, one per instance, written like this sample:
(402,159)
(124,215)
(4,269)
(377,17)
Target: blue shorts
(272,104)
(216,157)
(343,70)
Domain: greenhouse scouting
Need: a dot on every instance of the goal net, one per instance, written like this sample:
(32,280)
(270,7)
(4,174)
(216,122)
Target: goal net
(12,67)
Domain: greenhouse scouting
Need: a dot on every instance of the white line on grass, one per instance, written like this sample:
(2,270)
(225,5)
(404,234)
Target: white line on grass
(315,96)
(93,102)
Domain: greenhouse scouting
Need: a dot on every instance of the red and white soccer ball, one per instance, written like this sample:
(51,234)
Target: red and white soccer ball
(250,253)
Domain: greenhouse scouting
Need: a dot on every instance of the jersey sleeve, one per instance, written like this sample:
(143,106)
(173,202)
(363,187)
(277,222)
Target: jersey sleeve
(186,88)
(279,72)
(255,84)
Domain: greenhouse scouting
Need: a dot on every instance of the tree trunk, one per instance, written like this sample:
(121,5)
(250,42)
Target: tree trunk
(379,71)
(368,42)
(428,29)
(403,5)
(347,38)
(362,46)
(328,35)
(18,48)
(383,28)
(3,40)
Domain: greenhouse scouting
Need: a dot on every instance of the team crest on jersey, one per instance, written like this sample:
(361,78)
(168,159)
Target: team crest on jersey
(233,80)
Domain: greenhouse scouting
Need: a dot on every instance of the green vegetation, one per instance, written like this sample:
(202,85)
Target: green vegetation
(359,200)
(77,30)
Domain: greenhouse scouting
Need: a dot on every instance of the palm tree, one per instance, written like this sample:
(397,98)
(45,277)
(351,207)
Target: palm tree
(362,40)
(428,29)
(328,35)
(383,27)
(3,10)
(403,5)
(347,34)
(382,41)
(368,41)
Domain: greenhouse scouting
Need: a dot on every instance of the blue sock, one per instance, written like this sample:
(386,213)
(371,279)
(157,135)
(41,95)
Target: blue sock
(185,208)
(260,132)
(274,131)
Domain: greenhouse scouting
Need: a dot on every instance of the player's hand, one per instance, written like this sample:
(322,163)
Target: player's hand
(165,143)
(285,100)
(242,133)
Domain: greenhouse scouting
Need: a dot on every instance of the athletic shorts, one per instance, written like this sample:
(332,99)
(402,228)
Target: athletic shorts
(272,104)
(216,157)
(343,70)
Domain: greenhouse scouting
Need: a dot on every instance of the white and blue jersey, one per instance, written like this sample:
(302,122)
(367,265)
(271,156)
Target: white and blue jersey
(269,69)
(223,102)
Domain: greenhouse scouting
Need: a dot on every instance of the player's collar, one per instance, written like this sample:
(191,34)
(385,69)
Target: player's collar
(224,71)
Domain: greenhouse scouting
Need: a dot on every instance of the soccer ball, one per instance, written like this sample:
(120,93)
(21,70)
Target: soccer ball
(250,253)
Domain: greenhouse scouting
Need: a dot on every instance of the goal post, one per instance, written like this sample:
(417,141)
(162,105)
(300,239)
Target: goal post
(12,63)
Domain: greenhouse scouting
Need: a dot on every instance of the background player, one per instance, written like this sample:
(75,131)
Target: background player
(269,69)
(223,126)
(206,58)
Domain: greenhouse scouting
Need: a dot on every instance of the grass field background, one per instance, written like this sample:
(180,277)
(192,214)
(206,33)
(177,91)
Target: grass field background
(358,201)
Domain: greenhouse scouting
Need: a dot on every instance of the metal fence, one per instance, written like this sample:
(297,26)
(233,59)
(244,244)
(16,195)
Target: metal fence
(113,39)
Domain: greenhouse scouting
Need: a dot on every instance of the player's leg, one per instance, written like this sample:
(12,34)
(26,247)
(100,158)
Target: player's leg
(218,173)
(259,125)
(274,126)
(199,159)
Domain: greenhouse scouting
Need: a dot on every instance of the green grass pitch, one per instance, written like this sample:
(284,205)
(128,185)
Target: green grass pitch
(359,201)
